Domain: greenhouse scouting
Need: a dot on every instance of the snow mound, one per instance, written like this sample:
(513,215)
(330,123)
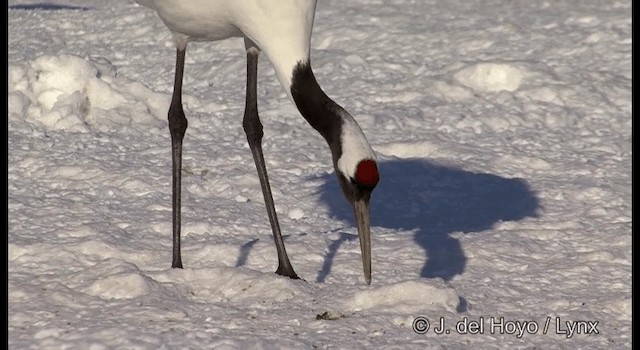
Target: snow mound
(120,280)
(416,149)
(223,284)
(122,286)
(67,92)
(491,77)
(254,344)
(406,297)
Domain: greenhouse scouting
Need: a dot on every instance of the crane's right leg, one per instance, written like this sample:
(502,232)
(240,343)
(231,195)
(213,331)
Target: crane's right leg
(253,129)
(177,127)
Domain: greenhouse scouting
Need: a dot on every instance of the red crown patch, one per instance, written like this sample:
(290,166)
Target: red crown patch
(367,173)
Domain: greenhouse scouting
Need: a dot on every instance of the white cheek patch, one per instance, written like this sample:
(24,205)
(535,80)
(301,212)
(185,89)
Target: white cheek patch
(355,147)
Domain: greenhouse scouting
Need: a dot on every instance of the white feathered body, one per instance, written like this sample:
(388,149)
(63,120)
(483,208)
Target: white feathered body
(280,28)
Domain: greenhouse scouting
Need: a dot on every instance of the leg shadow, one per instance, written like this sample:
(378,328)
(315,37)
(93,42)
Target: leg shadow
(244,252)
(331,253)
(48,7)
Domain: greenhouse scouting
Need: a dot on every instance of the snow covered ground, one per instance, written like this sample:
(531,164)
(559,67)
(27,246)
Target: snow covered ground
(503,130)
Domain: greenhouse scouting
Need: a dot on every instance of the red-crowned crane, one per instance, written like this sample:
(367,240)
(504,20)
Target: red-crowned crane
(282,29)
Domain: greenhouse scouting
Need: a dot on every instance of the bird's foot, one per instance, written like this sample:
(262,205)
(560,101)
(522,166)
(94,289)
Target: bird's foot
(287,272)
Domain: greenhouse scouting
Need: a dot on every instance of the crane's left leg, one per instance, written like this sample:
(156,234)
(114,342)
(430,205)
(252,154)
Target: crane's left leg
(177,127)
(253,129)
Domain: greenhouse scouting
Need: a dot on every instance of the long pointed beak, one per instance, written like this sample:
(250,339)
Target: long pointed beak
(364,233)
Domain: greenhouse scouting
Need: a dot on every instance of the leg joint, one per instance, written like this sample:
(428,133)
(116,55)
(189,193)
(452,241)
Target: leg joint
(177,121)
(252,126)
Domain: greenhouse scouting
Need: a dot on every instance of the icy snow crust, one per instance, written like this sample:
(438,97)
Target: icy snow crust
(503,132)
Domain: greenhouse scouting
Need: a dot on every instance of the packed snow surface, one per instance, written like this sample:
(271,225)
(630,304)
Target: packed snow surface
(502,217)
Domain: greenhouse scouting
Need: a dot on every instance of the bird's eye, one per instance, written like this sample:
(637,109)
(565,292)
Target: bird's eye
(362,187)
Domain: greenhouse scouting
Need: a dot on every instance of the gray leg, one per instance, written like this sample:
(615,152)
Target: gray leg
(177,127)
(253,129)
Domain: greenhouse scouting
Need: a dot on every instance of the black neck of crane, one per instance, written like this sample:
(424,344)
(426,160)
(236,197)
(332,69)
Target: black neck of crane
(316,107)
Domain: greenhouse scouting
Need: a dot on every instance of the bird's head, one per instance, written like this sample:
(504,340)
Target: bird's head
(359,185)
(353,159)
(358,175)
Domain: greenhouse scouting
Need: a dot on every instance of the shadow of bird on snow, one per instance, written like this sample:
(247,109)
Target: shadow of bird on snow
(432,201)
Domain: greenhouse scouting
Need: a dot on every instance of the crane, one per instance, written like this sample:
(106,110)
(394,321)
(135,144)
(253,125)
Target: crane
(282,30)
